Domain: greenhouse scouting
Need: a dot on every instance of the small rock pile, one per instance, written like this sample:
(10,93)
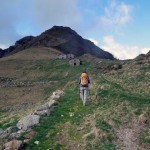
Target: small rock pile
(27,122)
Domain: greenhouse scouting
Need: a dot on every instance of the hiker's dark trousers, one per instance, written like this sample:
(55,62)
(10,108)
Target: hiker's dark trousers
(84,94)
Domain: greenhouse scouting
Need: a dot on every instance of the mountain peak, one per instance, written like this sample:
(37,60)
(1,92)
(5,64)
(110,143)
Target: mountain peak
(61,28)
(63,39)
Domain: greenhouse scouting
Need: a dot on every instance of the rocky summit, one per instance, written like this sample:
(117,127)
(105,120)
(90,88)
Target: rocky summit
(64,39)
(143,56)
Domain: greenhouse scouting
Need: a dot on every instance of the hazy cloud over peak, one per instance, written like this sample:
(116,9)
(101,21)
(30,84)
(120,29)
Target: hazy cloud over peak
(122,51)
(19,18)
(50,12)
(8,20)
(116,14)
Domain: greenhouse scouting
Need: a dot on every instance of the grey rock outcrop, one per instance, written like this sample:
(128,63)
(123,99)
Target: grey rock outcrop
(43,107)
(12,130)
(28,122)
(44,112)
(56,95)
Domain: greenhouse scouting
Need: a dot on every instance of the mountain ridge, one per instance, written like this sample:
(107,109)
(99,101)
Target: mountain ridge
(61,38)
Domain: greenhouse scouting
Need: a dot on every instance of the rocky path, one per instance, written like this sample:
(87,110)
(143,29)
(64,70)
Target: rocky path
(26,123)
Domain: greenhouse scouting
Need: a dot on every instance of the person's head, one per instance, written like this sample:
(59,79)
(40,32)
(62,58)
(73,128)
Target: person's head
(84,71)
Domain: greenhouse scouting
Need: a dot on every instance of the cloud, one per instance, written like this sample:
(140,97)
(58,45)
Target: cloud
(8,19)
(145,50)
(121,51)
(94,41)
(55,12)
(3,46)
(116,14)
(19,18)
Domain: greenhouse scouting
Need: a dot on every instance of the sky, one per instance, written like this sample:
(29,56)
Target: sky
(121,27)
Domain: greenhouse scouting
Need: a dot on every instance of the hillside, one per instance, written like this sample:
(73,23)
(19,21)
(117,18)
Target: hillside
(61,38)
(39,53)
(117,113)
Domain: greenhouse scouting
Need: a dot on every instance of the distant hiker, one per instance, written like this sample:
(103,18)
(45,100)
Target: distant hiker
(84,82)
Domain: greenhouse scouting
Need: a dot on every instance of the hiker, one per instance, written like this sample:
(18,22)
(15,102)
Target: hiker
(84,82)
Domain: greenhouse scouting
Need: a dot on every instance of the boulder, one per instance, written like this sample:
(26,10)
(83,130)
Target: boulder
(12,130)
(51,103)
(57,94)
(20,131)
(43,107)
(13,145)
(15,135)
(43,112)
(28,122)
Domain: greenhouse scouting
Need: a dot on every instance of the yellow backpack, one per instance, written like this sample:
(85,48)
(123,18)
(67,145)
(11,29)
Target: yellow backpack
(84,79)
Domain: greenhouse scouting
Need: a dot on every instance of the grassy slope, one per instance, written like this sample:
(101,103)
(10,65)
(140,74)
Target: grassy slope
(114,104)
(111,106)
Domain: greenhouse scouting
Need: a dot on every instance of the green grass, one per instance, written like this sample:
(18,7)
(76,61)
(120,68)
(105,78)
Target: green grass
(66,104)
(116,91)
(103,125)
(70,102)
(144,136)
(101,145)
(115,103)
(110,98)
(59,65)
(7,123)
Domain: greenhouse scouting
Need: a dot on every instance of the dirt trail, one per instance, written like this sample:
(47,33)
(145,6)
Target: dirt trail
(127,139)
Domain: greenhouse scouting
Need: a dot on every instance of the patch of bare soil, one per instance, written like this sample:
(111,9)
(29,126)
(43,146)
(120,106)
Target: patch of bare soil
(127,139)
(69,138)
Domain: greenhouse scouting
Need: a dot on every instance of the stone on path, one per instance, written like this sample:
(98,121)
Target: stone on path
(28,122)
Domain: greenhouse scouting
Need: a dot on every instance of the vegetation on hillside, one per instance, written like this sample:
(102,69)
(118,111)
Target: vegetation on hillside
(110,120)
